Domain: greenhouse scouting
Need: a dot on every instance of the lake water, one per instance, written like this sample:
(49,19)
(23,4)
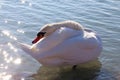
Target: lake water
(20,20)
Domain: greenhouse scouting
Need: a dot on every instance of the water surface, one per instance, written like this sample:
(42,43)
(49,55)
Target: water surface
(21,19)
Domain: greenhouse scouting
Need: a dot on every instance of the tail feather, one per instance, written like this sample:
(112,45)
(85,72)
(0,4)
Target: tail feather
(28,49)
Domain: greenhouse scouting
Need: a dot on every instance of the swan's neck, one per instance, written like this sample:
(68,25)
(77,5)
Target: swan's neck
(50,28)
(68,24)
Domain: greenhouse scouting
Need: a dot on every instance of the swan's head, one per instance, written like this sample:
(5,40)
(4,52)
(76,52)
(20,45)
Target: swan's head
(39,36)
(44,32)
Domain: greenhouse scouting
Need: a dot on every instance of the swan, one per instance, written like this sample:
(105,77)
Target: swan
(64,43)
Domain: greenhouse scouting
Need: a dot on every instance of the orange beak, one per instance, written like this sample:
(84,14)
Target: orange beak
(37,39)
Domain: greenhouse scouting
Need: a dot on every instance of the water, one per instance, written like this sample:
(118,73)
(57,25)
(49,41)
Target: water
(21,19)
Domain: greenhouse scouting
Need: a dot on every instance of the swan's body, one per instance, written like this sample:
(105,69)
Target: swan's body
(64,45)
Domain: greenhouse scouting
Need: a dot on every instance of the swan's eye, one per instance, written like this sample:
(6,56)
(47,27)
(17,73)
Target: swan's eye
(41,34)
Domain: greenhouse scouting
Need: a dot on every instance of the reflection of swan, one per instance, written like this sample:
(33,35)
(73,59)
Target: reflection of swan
(87,71)
(64,43)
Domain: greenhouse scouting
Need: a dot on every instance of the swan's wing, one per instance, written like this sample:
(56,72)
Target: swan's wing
(25,47)
(29,49)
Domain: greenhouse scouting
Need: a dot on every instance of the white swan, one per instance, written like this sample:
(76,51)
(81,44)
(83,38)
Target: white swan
(64,43)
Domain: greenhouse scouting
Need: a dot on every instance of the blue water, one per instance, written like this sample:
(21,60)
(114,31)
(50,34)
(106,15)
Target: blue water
(20,20)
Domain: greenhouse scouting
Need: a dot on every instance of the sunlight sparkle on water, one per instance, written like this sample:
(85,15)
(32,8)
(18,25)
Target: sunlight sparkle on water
(22,79)
(5,76)
(17,61)
(12,47)
(30,4)
(20,31)
(5,32)
(8,60)
(1,64)
(6,21)
(6,67)
(5,54)
(23,1)
(19,22)
(12,37)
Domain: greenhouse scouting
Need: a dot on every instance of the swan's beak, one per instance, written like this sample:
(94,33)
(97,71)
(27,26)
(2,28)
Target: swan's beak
(39,36)
(37,39)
